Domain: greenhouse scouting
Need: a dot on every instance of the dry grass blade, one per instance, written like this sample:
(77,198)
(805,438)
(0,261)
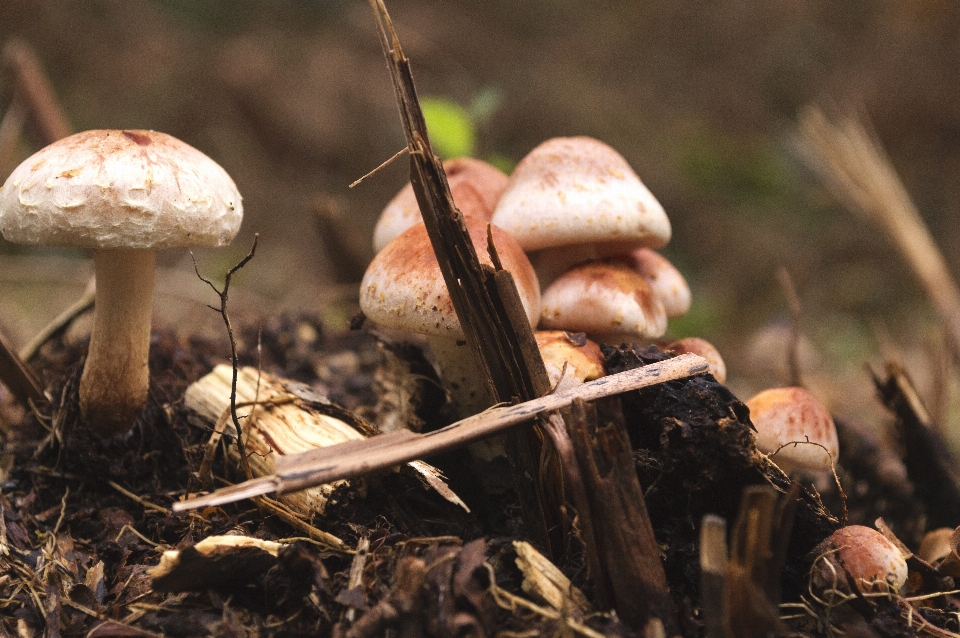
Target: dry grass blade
(853,165)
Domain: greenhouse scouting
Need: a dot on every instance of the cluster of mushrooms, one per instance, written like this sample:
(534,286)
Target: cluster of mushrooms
(573,220)
(578,229)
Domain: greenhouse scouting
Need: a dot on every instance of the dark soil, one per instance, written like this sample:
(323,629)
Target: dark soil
(85,519)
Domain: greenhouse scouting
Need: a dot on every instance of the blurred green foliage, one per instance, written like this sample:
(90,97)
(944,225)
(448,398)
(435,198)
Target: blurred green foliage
(451,127)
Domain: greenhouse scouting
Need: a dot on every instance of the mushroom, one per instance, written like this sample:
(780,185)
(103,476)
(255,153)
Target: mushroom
(123,194)
(578,190)
(702,347)
(874,563)
(608,301)
(795,429)
(667,282)
(569,357)
(403,289)
(475,185)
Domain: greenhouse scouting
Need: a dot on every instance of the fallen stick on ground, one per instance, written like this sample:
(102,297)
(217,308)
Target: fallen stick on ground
(356,458)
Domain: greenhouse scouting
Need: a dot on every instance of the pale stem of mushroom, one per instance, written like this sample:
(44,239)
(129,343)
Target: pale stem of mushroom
(115,378)
(462,376)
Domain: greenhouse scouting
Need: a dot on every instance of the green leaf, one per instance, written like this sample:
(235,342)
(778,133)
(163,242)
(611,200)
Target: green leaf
(451,129)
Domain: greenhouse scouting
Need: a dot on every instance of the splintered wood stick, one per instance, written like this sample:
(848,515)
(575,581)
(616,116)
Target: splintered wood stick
(853,165)
(356,458)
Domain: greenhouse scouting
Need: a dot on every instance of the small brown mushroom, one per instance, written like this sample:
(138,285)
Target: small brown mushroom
(795,429)
(608,301)
(874,563)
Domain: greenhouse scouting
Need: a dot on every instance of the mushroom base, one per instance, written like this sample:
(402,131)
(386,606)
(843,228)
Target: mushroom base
(116,378)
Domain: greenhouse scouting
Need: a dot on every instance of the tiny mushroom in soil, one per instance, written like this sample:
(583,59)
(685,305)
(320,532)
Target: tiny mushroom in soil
(874,563)
(795,429)
(475,185)
(403,289)
(702,347)
(124,194)
(569,357)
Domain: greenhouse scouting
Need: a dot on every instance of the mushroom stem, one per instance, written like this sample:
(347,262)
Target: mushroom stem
(115,378)
(461,375)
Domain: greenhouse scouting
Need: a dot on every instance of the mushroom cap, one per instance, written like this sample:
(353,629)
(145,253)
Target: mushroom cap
(582,357)
(702,347)
(403,287)
(603,298)
(120,189)
(874,562)
(476,187)
(793,415)
(664,278)
(574,190)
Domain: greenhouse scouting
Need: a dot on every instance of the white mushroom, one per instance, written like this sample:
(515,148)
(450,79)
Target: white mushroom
(123,194)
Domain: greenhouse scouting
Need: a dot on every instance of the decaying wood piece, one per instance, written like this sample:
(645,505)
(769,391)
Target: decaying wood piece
(486,300)
(284,418)
(749,612)
(631,570)
(356,458)
(216,560)
(544,581)
(275,423)
(930,466)
(714,565)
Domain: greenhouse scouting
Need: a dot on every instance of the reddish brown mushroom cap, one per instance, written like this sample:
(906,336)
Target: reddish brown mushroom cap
(475,185)
(795,428)
(403,287)
(874,563)
(664,278)
(603,299)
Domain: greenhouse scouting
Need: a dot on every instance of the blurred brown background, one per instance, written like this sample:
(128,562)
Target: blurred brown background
(294,100)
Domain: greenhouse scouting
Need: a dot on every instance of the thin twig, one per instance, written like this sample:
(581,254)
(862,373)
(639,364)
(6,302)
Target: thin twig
(61,321)
(355,458)
(382,166)
(223,294)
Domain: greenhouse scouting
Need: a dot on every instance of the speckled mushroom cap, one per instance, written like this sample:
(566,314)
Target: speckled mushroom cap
(403,287)
(874,563)
(475,185)
(120,189)
(795,428)
(603,298)
(664,278)
(574,190)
